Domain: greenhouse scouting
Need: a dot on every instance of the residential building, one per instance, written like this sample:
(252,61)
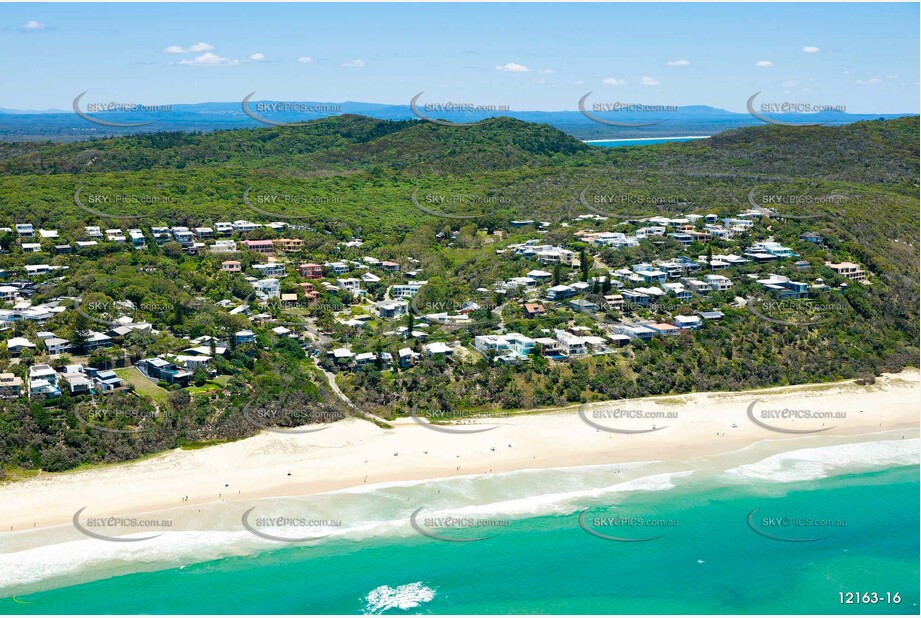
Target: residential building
(161,369)
(242,226)
(17,345)
(688,322)
(24,230)
(265,247)
(663,329)
(718,282)
(97,340)
(107,381)
(231,266)
(438,349)
(244,336)
(560,292)
(310,271)
(182,235)
(271,288)
(848,270)
(534,310)
(407,290)
(812,237)
(287,245)
(350,284)
(390,309)
(10,386)
(56,345)
(272,269)
(570,345)
(223,228)
(225,245)
(696,286)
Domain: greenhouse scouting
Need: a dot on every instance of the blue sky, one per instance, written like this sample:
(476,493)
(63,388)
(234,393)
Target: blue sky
(526,56)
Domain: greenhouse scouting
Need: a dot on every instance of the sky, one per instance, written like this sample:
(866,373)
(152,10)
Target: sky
(524,56)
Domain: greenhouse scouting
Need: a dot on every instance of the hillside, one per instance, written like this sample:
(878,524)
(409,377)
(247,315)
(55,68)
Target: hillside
(344,178)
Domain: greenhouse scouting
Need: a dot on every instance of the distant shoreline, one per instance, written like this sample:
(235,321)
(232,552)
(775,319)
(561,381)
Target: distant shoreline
(644,139)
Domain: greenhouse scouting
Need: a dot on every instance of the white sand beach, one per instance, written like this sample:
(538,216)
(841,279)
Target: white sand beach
(355,453)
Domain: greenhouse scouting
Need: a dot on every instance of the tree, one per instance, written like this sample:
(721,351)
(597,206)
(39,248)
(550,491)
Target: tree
(81,331)
(557,274)
(584,264)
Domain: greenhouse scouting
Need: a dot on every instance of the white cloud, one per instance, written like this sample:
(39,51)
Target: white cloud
(892,77)
(790,83)
(613,81)
(513,67)
(578,82)
(678,63)
(649,81)
(32,26)
(865,82)
(547,71)
(305,59)
(809,49)
(192,49)
(357,63)
(764,63)
(257,57)
(209,60)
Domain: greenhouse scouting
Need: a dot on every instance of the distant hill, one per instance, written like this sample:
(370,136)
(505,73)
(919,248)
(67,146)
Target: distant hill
(65,125)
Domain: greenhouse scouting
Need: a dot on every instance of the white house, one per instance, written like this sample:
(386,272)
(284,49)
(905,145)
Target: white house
(17,345)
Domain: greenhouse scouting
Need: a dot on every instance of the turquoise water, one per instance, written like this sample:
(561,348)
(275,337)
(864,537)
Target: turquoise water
(708,561)
(616,143)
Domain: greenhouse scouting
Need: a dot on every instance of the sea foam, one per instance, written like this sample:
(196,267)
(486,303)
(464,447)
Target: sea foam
(814,463)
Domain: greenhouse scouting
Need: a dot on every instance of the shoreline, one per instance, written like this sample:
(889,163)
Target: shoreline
(644,139)
(357,455)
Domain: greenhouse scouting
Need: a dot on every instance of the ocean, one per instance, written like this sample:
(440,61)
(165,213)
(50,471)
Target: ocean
(756,531)
(640,141)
